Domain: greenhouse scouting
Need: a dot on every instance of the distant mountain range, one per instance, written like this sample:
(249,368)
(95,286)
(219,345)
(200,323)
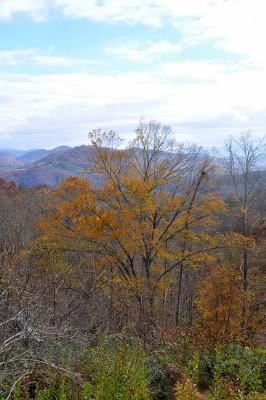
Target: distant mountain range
(38,154)
(8,160)
(50,167)
(43,167)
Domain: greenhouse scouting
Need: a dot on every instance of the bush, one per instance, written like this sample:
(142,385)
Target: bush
(116,371)
(232,372)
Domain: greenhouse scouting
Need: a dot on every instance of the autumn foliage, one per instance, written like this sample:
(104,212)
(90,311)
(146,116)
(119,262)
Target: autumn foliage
(143,252)
(150,217)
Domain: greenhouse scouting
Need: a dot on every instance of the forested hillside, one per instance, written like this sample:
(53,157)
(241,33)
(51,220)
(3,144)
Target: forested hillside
(144,278)
(44,167)
(50,167)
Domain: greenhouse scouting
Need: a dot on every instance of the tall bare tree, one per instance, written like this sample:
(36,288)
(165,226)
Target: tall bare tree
(242,164)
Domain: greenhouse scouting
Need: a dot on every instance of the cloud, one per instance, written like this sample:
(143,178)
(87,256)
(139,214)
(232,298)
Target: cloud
(149,12)
(187,71)
(37,9)
(236,26)
(144,52)
(128,11)
(196,98)
(16,57)
(36,57)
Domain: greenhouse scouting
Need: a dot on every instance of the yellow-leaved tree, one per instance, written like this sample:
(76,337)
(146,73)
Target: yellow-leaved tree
(149,215)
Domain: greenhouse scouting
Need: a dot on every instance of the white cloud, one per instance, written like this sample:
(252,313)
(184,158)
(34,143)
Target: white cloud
(70,104)
(15,57)
(53,61)
(144,51)
(237,26)
(194,96)
(150,12)
(37,9)
(36,57)
(196,70)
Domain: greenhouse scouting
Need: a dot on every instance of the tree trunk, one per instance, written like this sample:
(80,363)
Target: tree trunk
(177,317)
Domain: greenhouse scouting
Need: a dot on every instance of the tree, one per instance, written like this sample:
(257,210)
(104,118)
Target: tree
(219,303)
(150,215)
(241,163)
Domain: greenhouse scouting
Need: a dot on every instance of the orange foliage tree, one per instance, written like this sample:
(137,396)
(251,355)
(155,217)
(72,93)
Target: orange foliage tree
(219,303)
(149,215)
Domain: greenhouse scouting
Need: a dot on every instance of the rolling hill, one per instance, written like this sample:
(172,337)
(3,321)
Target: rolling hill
(45,167)
(50,167)
(8,160)
(38,154)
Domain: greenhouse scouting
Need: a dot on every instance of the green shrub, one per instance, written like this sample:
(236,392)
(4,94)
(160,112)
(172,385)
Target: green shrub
(117,371)
(234,372)
(166,364)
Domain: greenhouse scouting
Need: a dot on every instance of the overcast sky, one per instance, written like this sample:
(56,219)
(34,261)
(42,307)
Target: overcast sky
(67,66)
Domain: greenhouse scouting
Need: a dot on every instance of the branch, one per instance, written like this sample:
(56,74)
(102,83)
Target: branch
(15,383)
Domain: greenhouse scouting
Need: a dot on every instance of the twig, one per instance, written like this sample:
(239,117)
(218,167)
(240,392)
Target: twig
(15,383)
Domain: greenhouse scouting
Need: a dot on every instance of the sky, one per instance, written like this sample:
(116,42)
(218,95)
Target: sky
(67,67)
